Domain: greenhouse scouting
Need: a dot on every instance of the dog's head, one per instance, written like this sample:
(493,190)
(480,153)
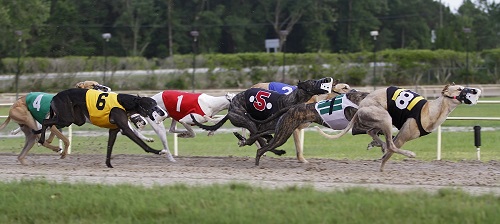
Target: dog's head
(462,94)
(341,88)
(147,107)
(319,86)
(92,85)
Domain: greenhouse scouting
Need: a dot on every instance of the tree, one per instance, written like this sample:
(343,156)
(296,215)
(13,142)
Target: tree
(16,15)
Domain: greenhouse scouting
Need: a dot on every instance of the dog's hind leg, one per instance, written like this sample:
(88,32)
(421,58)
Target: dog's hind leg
(298,146)
(29,141)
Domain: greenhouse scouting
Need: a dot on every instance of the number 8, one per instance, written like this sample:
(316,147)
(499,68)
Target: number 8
(404,99)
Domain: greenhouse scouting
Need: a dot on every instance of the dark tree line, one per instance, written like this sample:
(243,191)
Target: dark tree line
(161,28)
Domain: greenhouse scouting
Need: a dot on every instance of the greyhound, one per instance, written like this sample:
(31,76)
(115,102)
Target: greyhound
(107,110)
(338,89)
(334,113)
(261,103)
(180,105)
(409,112)
(29,110)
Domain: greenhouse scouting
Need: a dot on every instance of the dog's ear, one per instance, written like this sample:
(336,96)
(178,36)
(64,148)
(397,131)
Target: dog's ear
(79,85)
(445,89)
(335,82)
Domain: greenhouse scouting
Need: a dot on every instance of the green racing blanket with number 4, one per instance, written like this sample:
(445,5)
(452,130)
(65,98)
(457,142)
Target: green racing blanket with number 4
(39,104)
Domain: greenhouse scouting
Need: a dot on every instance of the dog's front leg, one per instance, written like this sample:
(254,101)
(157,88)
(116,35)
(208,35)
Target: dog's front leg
(121,120)
(139,134)
(111,143)
(162,134)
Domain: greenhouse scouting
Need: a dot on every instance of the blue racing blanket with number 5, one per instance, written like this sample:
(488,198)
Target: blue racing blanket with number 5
(403,104)
(39,104)
(99,105)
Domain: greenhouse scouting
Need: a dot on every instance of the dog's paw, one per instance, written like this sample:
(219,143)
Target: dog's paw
(168,155)
(409,154)
(185,135)
(211,133)
(278,152)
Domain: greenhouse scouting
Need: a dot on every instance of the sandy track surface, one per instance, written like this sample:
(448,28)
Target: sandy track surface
(323,174)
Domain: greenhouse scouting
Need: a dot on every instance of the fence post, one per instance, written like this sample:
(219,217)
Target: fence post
(439,143)
(477,140)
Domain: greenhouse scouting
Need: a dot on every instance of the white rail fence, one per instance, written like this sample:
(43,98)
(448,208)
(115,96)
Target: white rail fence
(439,132)
(478,149)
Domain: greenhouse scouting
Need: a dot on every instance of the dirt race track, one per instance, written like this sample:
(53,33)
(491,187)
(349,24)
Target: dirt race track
(323,174)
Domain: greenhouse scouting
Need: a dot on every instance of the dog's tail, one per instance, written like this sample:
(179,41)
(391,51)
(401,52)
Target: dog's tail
(342,133)
(2,126)
(210,128)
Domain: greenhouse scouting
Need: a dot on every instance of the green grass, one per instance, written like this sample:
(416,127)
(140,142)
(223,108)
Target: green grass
(44,202)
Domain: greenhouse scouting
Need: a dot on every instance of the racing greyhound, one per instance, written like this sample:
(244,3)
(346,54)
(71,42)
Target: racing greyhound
(107,110)
(408,111)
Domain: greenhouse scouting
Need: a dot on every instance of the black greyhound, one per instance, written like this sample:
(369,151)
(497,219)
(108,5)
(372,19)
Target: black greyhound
(107,110)
(262,103)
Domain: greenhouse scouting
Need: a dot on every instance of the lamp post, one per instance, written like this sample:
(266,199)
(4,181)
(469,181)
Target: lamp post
(283,34)
(195,35)
(19,34)
(467,79)
(374,34)
(106,37)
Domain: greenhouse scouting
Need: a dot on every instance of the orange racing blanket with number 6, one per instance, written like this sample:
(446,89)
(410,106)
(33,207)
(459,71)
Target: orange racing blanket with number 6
(99,105)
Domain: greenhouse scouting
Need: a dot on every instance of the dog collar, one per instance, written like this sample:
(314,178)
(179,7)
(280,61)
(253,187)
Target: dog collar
(454,98)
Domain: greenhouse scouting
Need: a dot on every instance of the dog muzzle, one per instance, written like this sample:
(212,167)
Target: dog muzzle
(469,96)
(322,86)
(157,114)
(326,84)
(138,121)
(102,88)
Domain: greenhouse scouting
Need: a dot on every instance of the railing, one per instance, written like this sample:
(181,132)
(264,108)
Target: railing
(478,150)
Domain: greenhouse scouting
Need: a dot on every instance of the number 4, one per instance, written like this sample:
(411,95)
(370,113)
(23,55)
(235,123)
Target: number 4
(38,101)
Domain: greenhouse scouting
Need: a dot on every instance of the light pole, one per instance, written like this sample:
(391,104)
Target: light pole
(283,34)
(195,35)
(19,34)
(106,37)
(374,34)
(467,79)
